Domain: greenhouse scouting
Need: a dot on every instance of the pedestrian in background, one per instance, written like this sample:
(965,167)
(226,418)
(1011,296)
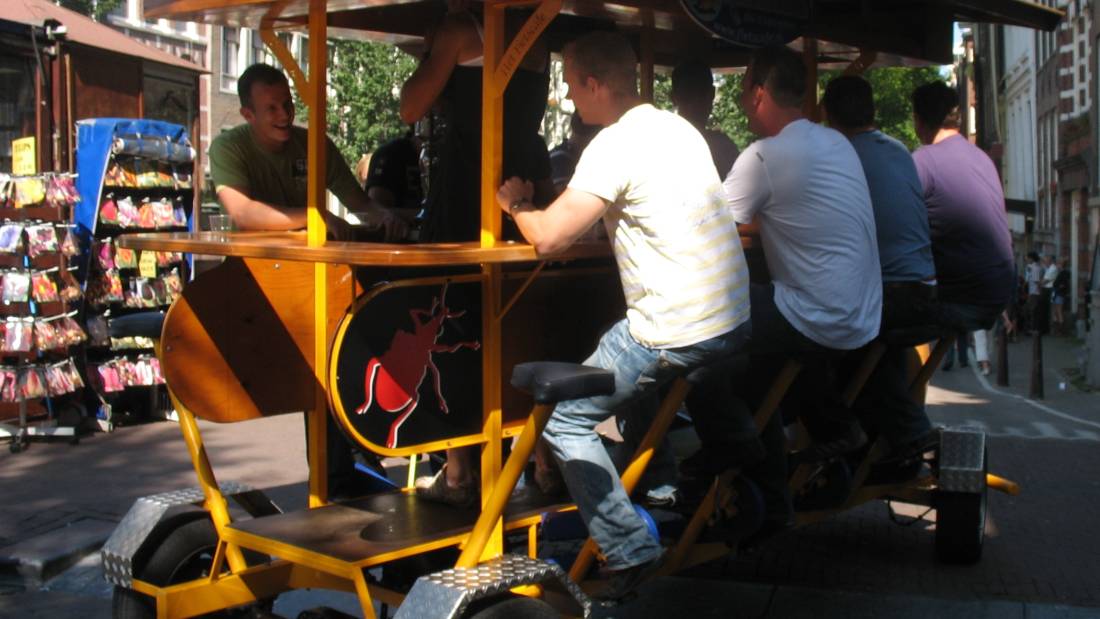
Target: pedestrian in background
(1033,277)
(1060,296)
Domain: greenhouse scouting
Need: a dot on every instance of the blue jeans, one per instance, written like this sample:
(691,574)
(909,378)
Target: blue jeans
(585,464)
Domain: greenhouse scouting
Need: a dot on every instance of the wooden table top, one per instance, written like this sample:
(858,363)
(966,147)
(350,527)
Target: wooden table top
(292,246)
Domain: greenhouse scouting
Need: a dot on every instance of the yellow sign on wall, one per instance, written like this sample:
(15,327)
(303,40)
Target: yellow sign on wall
(23,156)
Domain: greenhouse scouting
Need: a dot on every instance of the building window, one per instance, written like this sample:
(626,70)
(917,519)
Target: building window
(257,52)
(303,54)
(231,44)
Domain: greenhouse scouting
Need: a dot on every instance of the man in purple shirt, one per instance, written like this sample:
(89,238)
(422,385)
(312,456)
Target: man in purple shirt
(971,244)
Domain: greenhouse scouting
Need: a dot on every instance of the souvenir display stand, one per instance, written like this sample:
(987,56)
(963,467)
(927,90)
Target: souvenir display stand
(135,176)
(38,375)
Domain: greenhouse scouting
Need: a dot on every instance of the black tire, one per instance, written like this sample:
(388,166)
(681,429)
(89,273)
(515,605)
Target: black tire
(960,524)
(184,555)
(512,607)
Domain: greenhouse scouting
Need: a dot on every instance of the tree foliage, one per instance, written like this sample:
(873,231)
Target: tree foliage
(364,82)
(891,85)
(96,9)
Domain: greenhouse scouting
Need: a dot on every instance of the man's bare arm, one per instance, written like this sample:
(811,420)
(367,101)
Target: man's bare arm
(559,225)
(249,214)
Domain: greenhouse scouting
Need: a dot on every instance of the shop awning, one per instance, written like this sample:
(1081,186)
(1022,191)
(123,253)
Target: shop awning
(86,31)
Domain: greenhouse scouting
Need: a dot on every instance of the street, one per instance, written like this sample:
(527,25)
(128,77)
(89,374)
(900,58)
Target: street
(1041,548)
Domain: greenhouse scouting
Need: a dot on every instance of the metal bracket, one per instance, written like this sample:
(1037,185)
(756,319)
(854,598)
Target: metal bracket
(962,460)
(147,512)
(446,594)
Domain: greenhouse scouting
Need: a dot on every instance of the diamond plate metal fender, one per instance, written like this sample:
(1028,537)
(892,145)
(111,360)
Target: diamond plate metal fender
(147,512)
(962,460)
(446,594)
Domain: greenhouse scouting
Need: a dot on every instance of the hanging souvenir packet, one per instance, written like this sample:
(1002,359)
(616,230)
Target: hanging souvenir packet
(158,376)
(16,287)
(128,215)
(74,375)
(164,175)
(113,287)
(43,288)
(113,177)
(8,384)
(160,293)
(70,288)
(125,258)
(11,237)
(31,384)
(61,190)
(108,376)
(46,336)
(69,330)
(18,334)
(146,218)
(162,213)
(105,254)
(29,191)
(108,211)
(57,380)
(142,372)
(173,286)
(6,185)
(69,245)
(41,239)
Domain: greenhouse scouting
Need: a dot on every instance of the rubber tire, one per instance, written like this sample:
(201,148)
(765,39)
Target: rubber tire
(184,555)
(512,607)
(960,524)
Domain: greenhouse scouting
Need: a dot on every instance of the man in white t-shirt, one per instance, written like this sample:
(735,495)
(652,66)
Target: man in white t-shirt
(649,174)
(805,186)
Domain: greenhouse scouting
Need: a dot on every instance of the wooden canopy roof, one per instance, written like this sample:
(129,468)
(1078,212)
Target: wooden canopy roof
(911,29)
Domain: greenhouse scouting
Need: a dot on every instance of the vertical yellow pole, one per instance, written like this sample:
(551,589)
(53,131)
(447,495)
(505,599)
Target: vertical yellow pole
(492,126)
(318,58)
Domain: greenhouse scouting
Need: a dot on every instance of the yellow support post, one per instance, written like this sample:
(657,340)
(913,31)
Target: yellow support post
(315,237)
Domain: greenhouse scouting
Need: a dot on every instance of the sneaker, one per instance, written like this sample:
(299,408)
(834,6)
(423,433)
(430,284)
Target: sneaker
(437,490)
(852,440)
(665,497)
(623,584)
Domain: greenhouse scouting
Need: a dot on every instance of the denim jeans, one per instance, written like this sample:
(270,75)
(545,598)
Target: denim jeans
(585,464)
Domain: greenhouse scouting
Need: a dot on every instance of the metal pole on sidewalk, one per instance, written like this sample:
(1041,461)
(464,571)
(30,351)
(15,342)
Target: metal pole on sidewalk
(1002,357)
(1036,389)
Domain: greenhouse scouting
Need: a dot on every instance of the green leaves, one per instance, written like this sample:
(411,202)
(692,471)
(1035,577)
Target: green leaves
(364,84)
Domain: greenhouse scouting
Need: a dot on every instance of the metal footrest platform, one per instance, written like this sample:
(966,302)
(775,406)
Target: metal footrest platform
(148,511)
(356,532)
(446,594)
(962,464)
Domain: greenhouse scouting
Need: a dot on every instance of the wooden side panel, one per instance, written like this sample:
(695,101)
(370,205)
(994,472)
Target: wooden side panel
(238,344)
(106,85)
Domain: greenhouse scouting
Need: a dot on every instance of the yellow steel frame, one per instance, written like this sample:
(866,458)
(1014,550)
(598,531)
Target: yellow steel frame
(298,568)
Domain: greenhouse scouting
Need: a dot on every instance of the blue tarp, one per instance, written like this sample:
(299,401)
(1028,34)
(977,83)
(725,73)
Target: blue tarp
(93,148)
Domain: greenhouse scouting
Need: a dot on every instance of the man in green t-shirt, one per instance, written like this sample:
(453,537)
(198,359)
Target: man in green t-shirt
(259,171)
(259,168)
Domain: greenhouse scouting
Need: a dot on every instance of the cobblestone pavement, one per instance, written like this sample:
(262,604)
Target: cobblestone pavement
(1040,545)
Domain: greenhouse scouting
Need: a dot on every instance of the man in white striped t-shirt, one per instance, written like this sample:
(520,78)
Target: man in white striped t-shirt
(649,174)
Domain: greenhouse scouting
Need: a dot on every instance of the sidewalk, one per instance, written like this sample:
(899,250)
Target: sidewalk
(60,501)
